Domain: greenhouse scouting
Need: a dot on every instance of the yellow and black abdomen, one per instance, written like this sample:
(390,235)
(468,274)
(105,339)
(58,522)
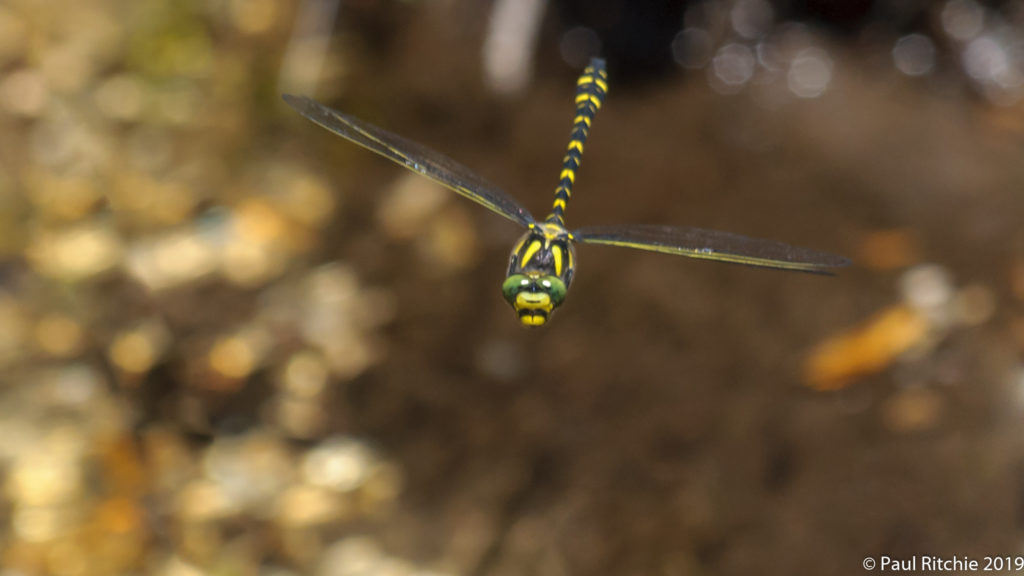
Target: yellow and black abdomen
(590,92)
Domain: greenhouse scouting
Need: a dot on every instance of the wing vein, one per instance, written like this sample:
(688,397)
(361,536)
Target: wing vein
(712,245)
(415,157)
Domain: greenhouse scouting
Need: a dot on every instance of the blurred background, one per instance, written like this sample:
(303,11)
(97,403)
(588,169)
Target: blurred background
(234,344)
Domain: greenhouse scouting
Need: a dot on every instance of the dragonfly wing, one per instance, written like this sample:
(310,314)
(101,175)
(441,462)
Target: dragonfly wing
(712,245)
(413,156)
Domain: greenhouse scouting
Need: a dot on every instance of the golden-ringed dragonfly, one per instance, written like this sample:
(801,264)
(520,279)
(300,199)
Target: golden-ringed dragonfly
(541,267)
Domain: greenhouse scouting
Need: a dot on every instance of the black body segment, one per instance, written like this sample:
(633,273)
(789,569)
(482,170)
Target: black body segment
(429,163)
(591,89)
(712,245)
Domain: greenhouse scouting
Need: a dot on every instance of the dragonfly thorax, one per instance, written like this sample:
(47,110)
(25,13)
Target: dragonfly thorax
(540,270)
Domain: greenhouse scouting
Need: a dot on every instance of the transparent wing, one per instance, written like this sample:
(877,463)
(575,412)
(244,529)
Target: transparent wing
(429,163)
(712,245)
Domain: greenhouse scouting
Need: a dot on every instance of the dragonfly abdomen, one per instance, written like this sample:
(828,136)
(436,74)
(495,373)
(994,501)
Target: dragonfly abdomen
(590,92)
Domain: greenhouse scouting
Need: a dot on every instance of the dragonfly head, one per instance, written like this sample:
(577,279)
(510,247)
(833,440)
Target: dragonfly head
(534,296)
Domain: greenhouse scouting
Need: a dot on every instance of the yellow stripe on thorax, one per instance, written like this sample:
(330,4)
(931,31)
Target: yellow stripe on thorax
(530,252)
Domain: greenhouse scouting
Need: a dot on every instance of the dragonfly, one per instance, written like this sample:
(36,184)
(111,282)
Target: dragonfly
(543,261)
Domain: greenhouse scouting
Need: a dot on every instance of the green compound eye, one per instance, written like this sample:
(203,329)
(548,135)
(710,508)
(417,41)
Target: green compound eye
(512,285)
(554,286)
(550,285)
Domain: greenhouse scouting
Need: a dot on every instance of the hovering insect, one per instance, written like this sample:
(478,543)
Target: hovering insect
(543,261)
